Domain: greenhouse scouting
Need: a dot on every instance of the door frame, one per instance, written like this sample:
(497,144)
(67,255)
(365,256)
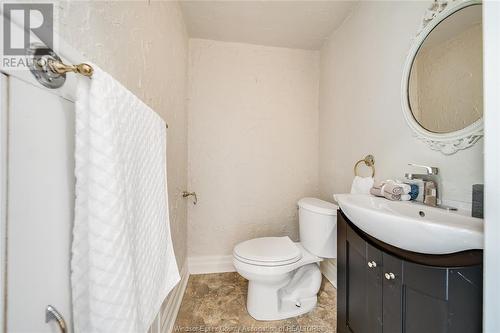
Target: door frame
(68,55)
(491,296)
(3,197)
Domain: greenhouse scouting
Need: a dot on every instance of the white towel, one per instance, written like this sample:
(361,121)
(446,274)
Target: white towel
(361,185)
(405,188)
(405,197)
(123,263)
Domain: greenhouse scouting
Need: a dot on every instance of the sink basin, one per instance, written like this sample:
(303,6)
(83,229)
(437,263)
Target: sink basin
(413,226)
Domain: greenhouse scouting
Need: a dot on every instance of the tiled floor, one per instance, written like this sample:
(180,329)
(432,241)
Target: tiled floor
(217,303)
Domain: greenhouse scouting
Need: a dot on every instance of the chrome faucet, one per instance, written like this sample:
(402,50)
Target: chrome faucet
(432,188)
(431,184)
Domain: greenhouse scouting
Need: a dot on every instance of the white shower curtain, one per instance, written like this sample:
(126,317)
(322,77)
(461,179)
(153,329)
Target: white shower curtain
(123,263)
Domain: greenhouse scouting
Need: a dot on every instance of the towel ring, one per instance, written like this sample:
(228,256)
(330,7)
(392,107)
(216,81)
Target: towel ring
(369,161)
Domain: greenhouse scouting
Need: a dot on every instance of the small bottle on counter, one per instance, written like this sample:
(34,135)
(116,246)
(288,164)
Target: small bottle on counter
(477,200)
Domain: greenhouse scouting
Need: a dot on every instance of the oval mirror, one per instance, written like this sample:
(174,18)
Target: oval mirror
(443,82)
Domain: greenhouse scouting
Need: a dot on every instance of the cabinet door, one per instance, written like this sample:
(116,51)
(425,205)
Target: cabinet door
(373,290)
(364,286)
(465,290)
(425,304)
(392,294)
(356,284)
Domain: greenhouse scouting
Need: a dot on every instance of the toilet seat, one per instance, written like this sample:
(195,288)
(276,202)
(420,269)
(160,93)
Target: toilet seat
(268,251)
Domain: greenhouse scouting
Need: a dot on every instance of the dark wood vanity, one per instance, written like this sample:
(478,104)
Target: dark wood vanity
(382,288)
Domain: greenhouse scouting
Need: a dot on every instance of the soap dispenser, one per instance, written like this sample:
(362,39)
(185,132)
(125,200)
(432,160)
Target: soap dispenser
(430,190)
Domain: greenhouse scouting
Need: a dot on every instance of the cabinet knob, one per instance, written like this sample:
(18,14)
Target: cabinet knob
(372,264)
(390,276)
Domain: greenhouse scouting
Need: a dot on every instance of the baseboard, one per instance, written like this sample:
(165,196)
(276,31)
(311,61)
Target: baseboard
(174,301)
(221,264)
(210,264)
(329,270)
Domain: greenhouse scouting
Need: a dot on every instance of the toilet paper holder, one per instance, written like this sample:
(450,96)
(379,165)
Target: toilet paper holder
(186,194)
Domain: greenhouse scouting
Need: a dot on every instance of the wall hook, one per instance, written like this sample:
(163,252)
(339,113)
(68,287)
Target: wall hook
(186,194)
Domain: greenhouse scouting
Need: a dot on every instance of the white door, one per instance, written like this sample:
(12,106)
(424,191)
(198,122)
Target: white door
(40,199)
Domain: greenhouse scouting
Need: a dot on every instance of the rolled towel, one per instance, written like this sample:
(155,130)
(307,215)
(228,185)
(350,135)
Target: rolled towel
(417,188)
(376,189)
(396,187)
(406,188)
(393,188)
(387,188)
(376,192)
(414,191)
(405,197)
(393,197)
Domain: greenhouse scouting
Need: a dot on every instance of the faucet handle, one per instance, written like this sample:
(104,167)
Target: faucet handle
(430,170)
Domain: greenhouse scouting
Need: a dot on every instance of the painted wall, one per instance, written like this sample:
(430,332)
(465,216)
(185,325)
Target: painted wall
(360,111)
(253,141)
(144,45)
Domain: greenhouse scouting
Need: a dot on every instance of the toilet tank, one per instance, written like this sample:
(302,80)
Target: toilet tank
(318,227)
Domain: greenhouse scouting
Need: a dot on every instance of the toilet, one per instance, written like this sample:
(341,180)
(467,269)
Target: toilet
(283,276)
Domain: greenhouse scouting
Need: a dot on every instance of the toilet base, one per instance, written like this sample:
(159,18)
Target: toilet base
(291,296)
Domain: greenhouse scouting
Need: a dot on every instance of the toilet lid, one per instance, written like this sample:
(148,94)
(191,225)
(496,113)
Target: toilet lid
(268,251)
(318,206)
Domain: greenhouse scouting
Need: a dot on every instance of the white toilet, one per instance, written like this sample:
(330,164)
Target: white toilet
(283,276)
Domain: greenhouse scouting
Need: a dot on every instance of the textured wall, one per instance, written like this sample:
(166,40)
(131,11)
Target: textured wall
(144,45)
(360,111)
(253,141)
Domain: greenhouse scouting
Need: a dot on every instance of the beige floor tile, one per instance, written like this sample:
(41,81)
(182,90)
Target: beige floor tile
(217,303)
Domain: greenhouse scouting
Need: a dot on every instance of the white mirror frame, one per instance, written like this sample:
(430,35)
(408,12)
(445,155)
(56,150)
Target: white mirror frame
(447,143)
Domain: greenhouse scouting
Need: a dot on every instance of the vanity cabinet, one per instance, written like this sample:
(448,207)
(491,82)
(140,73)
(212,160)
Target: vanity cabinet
(383,289)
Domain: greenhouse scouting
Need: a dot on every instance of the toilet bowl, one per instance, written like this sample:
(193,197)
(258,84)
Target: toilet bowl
(283,276)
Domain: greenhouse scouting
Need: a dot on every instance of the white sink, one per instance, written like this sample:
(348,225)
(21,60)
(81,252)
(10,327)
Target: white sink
(413,226)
